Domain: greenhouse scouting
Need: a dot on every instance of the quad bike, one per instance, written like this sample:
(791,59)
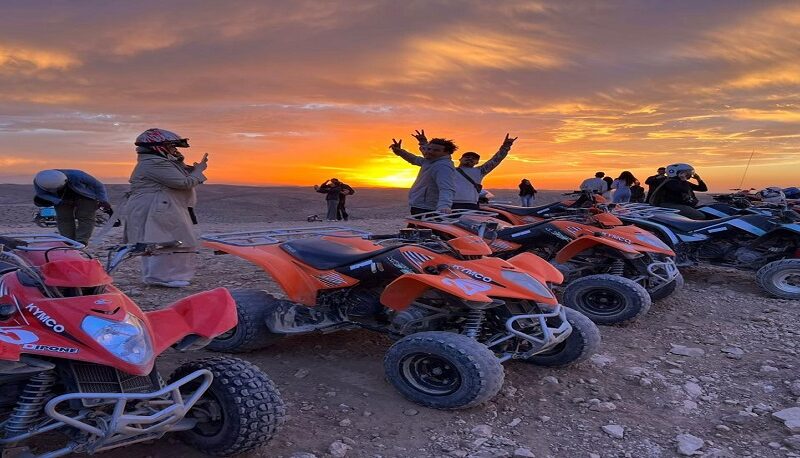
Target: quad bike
(517,215)
(611,273)
(46,217)
(77,357)
(457,315)
(768,245)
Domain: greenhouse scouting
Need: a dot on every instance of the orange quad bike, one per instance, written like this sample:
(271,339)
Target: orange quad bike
(516,215)
(612,273)
(78,358)
(457,314)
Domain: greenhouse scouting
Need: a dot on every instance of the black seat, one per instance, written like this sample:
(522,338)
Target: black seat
(6,267)
(325,255)
(529,211)
(685,224)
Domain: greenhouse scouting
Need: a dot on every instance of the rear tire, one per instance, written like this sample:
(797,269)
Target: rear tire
(251,332)
(443,370)
(668,289)
(583,342)
(607,299)
(247,408)
(781,278)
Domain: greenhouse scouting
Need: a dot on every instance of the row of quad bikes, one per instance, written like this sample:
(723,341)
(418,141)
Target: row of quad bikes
(460,294)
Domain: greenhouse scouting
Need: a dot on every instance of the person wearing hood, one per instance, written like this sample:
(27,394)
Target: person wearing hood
(160,207)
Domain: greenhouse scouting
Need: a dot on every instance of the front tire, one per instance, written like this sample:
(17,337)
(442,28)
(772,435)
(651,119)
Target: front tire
(443,370)
(240,411)
(583,342)
(667,290)
(251,332)
(781,278)
(607,299)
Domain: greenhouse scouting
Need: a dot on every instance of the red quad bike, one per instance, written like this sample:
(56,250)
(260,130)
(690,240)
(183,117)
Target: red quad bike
(77,357)
(611,273)
(457,314)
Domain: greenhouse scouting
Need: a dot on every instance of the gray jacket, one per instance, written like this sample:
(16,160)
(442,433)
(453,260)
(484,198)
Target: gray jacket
(465,191)
(434,187)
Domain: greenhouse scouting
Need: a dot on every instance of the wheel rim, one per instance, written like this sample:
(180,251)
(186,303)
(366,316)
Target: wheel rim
(430,374)
(227,335)
(788,281)
(209,414)
(602,301)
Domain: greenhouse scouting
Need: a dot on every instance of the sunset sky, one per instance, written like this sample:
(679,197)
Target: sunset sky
(294,92)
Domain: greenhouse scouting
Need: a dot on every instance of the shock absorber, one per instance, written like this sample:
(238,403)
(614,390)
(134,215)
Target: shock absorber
(30,404)
(617,268)
(472,328)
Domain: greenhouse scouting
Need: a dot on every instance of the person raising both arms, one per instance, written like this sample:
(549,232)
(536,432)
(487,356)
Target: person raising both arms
(434,187)
(469,175)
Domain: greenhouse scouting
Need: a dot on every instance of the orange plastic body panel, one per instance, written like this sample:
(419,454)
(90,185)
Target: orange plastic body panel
(300,282)
(587,241)
(80,273)
(538,267)
(470,245)
(607,219)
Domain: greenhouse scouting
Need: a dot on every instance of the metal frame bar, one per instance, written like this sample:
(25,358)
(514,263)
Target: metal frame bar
(44,238)
(551,336)
(449,218)
(274,236)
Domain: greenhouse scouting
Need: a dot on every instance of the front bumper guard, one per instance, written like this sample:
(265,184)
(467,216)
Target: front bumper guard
(661,274)
(548,338)
(169,409)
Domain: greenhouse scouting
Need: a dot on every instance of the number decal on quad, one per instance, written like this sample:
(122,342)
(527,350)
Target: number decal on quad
(17,336)
(469,287)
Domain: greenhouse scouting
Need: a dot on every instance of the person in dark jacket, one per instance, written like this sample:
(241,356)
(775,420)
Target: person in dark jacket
(527,193)
(653,181)
(333,190)
(637,192)
(678,193)
(341,211)
(76,195)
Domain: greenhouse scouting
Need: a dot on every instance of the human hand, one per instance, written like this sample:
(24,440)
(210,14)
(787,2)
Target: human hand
(696,176)
(106,206)
(316,187)
(203,164)
(507,142)
(420,136)
(396,146)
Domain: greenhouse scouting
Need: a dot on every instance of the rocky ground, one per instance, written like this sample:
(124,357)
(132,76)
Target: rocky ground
(712,371)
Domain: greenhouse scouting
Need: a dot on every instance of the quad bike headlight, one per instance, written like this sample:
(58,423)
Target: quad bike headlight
(526,281)
(652,240)
(126,339)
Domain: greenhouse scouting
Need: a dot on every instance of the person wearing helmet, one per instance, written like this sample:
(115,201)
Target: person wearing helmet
(160,206)
(678,192)
(772,195)
(76,195)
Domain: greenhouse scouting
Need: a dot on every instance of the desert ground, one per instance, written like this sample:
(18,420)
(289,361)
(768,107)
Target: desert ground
(714,361)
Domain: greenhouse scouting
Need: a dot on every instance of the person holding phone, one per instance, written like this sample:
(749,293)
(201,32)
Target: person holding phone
(161,204)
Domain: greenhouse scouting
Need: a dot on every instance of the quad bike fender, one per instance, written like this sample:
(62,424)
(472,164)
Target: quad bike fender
(298,285)
(400,293)
(207,314)
(588,241)
(537,266)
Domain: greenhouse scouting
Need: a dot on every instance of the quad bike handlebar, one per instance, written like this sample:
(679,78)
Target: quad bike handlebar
(120,253)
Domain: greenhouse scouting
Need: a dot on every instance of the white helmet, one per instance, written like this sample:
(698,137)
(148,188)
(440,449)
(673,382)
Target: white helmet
(50,180)
(772,194)
(674,169)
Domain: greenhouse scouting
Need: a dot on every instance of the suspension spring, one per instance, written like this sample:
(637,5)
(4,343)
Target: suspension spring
(30,404)
(472,328)
(617,268)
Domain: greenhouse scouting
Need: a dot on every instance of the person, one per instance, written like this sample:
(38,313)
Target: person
(595,185)
(341,211)
(622,186)
(677,192)
(607,193)
(637,192)
(434,186)
(527,193)
(333,191)
(653,181)
(76,195)
(468,176)
(160,206)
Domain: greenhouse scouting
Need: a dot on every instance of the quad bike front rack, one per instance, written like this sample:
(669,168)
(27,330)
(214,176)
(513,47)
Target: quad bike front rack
(43,242)
(639,210)
(450,218)
(274,236)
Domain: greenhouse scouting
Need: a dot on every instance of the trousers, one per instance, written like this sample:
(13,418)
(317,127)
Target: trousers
(79,209)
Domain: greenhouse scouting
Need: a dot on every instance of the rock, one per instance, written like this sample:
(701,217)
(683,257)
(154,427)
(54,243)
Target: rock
(544,418)
(766,368)
(515,422)
(339,449)
(689,445)
(683,350)
(740,418)
(794,388)
(692,389)
(482,431)
(603,407)
(732,352)
(774,445)
(302,455)
(459,453)
(793,442)
(523,452)
(602,360)
(345,422)
(723,428)
(793,425)
(689,405)
(301,373)
(549,379)
(410,412)
(792,413)
(718,453)
(594,455)
(615,431)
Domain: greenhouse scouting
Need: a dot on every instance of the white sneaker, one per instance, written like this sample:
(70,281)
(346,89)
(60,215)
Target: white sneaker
(169,284)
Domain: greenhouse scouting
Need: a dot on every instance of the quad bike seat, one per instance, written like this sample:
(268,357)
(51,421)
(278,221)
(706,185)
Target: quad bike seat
(528,211)
(325,255)
(6,267)
(685,224)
